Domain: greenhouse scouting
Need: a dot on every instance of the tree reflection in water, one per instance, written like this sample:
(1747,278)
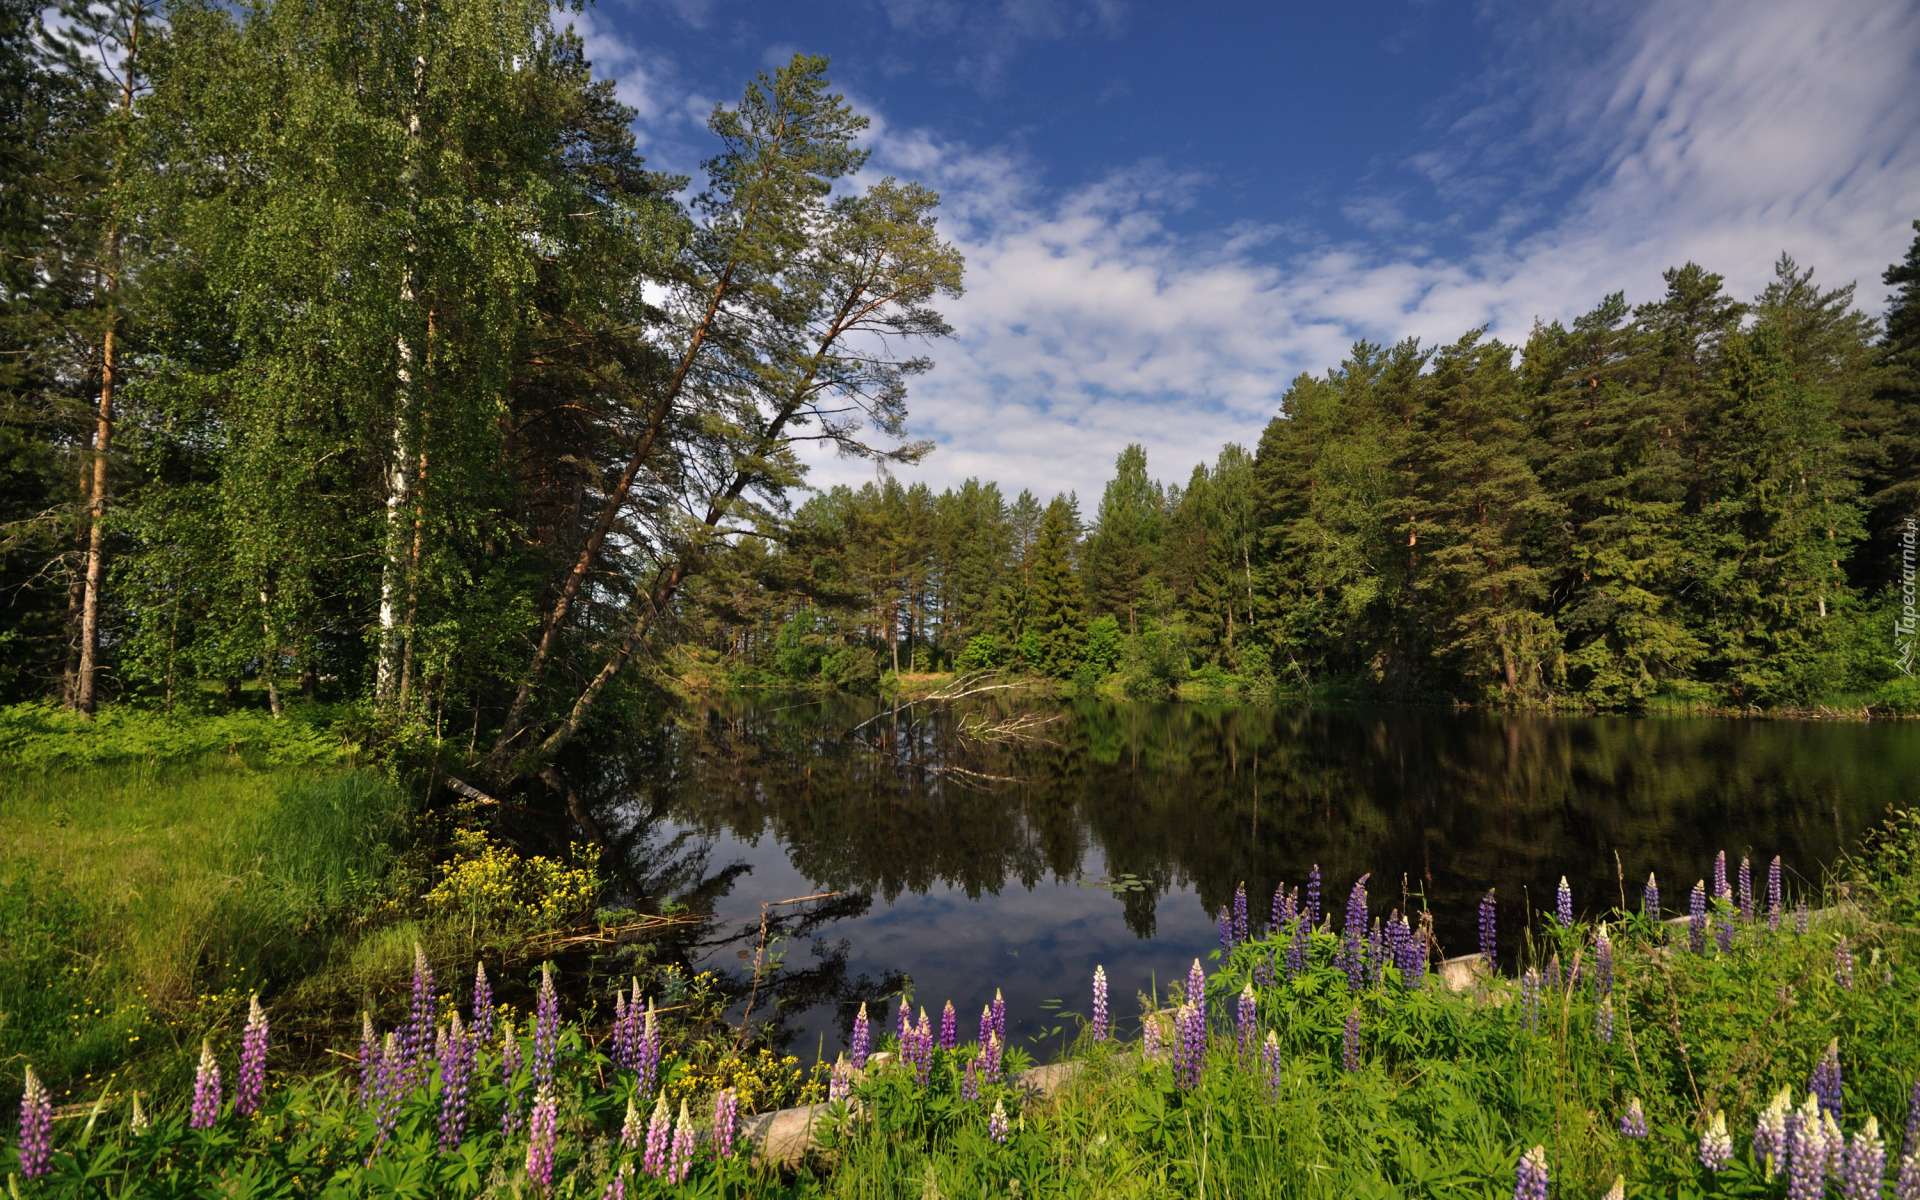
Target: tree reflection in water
(1180,803)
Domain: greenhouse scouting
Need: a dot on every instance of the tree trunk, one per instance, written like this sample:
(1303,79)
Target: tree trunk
(77,583)
(85,697)
(388,672)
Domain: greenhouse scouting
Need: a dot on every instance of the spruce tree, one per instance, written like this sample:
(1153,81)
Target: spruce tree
(1054,639)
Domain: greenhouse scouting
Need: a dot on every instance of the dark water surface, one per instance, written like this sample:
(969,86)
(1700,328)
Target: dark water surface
(967,864)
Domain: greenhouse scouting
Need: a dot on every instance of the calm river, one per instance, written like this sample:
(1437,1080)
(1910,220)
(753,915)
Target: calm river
(967,861)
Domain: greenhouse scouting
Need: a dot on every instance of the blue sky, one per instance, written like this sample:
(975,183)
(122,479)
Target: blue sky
(1170,210)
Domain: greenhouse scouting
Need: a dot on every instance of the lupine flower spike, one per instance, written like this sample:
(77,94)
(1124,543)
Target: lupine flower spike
(1650,897)
(1825,1083)
(1000,1015)
(861,1039)
(949,1028)
(997,1123)
(36,1128)
(840,1082)
(1489,945)
(1241,928)
(659,1138)
(1249,1008)
(632,1130)
(1352,942)
(456,1072)
(1716,1148)
(1313,897)
(252,1081)
(420,1021)
(206,1090)
(970,1081)
(1150,1047)
(1773,894)
(680,1158)
(726,1119)
(1802,916)
(1270,1060)
(546,1030)
(1697,918)
(1530,987)
(1746,890)
(1633,1124)
(1912,1141)
(482,1004)
(1603,1020)
(1807,1157)
(1100,1029)
(1720,889)
(1299,948)
(1619,1189)
(1530,1178)
(1226,933)
(1843,965)
(138,1121)
(1907,1187)
(903,1022)
(1563,904)
(1723,932)
(1190,1045)
(1350,1041)
(369,1058)
(1863,1169)
(1770,1132)
(1197,991)
(541,1138)
(509,1077)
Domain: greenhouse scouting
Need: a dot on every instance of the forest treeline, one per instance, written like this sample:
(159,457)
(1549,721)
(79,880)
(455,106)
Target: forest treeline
(351,349)
(1698,499)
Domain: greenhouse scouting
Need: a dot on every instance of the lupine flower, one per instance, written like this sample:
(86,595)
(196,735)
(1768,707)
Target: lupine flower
(617,1186)
(1150,1037)
(997,1123)
(546,1031)
(1270,1059)
(1912,1141)
(420,1022)
(1746,889)
(1000,1016)
(1723,932)
(1249,1008)
(1350,1041)
(251,1083)
(726,1118)
(137,1122)
(1530,987)
(1603,1020)
(1843,965)
(1716,1148)
(1376,954)
(1190,1046)
(1263,969)
(1298,948)
(659,1138)
(1352,943)
(1773,894)
(1553,973)
(861,1039)
(990,1062)
(1619,1189)
(482,1004)
(923,1050)
(456,1070)
(949,1025)
(1720,889)
(1563,904)
(1226,932)
(970,1081)
(680,1158)
(1650,897)
(369,1058)
(1099,1006)
(632,1130)
(622,1049)
(1634,1123)
(1602,963)
(206,1089)
(1531,1180)
(902,1022)
(1770,1131)
(840,1081)
(1806,1153)
(540,1138)
(1863,1169)
(1197,991)
(1826,1078)
(509,1077)
(643,1037)
(1802,916)
(389,1089)
(1241,928)
(36,1127)
(1489,947)
(1697,918)
(1907,1187)
(1279,914)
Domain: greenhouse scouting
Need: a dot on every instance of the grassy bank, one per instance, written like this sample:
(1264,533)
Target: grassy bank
(1321,1068)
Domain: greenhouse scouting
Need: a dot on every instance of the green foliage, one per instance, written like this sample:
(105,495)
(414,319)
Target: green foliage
(983,652)
(39,736)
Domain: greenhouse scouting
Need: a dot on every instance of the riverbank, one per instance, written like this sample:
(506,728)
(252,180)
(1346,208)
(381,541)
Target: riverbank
(1323,1062)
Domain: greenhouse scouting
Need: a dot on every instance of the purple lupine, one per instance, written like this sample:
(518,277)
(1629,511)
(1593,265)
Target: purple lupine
(456,1075)
(1279,915)
(1912,1141)
(1531,1180)
(1826,1079)
(659,1138)
(726,1120)
(1298,948)
(632,1130)
(206,1090)
(1720,889)
(1633,1123)
(1843,965)
(1723,931)
(622,1052)
(1697,918)
(1150,1037)
(862,1039)
(1809,1156)
(970,1081)
(1530,1000)
(1603,1020)
(482,1004)
(1773,894)
(1189,1046)
(986,1027)
(949,1028)
(1352,941)
(1376,954)
(1241,927)
(997,1123)
(1650,897)
(540,1139)
(1802,916)
(923,1050)
(510,1080)
(1552,977)
(36,1128)
(1563,904)
(1489,946)
(1225,924)
(840,1080)
(1716,1148)
(991,1060)
(1270,1064)
(1907,1187)
(1602,963)
(680,1157)
(1245,1018)
(1313,896)
(902,1023)
(251,1083)
(1197,991)
(646,1051)
(999,1016)
(419,1027)
(617,1186)
(1746,889)
(1263,968)
(1863,1166)
(546,1031)
(390,1088)
(1100,1029)
(1770,1131)
(1350,1041)
(369,1059)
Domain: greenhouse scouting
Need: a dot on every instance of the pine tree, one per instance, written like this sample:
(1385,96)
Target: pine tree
(1055,634)
(1122,551)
